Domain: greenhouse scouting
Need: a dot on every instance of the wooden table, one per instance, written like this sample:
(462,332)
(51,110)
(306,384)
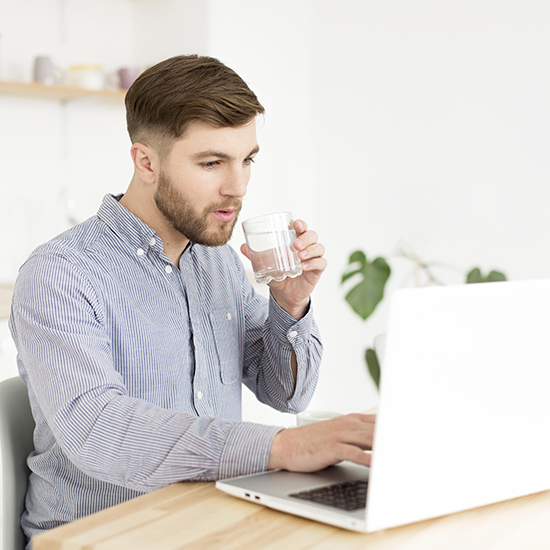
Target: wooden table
(197,516)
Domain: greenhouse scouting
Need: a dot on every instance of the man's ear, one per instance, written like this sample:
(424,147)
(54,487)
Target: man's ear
(146,161)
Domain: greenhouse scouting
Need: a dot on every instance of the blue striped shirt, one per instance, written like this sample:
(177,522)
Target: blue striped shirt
(135,367)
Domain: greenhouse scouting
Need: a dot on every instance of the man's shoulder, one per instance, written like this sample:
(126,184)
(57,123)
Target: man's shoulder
(65,261)
(74,243)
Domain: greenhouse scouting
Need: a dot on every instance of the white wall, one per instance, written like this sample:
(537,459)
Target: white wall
(431,126)
(423,122)
(414,120)
(164,28)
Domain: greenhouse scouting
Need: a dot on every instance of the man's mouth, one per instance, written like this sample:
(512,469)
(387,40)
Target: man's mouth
(225,215)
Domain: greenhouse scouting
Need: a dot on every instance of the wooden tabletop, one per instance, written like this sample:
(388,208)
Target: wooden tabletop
(197,516)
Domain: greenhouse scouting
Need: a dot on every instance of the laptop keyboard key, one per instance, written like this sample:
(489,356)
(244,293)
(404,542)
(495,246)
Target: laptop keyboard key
(347,495)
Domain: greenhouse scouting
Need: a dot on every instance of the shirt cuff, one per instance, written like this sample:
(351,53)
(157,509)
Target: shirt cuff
(286,329)
(246,450)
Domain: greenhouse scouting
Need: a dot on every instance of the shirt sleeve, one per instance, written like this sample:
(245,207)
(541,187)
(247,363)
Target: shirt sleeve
(271,336)
(65,357)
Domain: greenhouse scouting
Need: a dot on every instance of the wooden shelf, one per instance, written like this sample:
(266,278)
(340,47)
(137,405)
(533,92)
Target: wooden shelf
(63,93)
(6,292)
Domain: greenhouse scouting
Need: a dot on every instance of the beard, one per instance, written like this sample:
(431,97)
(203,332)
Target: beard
(178,210)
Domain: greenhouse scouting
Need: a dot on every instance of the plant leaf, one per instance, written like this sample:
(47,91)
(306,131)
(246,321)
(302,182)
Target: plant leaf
(357,257)
(475,276)
(369,291)
(496,276)
(373,365)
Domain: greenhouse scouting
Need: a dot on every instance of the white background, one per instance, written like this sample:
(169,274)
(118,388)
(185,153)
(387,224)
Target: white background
(424,122)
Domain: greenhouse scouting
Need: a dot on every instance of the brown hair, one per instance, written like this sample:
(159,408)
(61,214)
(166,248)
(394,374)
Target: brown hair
(165,98)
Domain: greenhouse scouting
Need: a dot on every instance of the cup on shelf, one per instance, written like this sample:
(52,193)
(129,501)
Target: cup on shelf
(122,78)
(46,72)
(127,76)
(88,76)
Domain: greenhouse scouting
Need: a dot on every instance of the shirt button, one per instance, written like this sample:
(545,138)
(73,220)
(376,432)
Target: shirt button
(153,242)
(228,316)
(168,269)
(292,334)
(199,395)
(140,252)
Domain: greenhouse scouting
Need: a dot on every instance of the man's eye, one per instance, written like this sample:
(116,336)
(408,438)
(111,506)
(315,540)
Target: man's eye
(248,161)
(210,164)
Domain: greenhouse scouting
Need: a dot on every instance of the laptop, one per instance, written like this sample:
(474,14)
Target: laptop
(463,415)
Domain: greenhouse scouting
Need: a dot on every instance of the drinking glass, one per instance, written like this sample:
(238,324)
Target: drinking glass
(269,239)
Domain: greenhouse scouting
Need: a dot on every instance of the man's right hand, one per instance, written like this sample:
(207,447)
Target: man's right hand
(317,446)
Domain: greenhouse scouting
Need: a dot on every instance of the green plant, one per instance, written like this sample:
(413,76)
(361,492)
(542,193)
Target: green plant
(372,277)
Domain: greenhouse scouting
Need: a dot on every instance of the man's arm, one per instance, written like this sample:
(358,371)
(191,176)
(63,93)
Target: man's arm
(315,447)
(66,358)
(282,356)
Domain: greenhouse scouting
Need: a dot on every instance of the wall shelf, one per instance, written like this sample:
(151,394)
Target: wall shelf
(63,93)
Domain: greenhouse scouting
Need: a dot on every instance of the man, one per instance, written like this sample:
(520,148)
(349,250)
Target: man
(136,329)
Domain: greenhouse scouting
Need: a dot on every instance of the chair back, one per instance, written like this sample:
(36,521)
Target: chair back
(16,442)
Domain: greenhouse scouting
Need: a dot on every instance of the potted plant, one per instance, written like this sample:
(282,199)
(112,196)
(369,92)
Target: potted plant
(371,278)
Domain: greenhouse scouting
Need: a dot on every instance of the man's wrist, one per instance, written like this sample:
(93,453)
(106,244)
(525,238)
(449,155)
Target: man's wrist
(276,452)
(298,311)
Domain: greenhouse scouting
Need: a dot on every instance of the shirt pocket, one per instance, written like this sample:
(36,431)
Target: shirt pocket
(226,337)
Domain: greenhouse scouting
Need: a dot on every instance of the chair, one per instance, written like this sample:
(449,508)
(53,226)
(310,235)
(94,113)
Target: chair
(16,442)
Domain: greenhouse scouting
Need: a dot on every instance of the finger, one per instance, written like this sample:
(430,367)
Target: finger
(356,455)
(313,251)
(300,226)
(361,417)
(315,264)
(305,239)
(358,438)
(244,250)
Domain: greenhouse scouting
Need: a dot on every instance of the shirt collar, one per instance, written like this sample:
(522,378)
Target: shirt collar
(127,226)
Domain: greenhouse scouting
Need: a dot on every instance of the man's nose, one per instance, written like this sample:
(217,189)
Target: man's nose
(235,183)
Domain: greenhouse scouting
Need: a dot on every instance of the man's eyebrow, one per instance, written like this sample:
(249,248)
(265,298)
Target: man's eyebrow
(218,154)
(211,154)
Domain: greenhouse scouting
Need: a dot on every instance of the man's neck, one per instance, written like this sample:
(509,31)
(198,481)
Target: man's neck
(144,208)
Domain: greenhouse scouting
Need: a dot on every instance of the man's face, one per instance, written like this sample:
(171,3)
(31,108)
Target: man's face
(203,180)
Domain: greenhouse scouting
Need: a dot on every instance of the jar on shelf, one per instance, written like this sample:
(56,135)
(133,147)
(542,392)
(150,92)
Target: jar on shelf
(89,76)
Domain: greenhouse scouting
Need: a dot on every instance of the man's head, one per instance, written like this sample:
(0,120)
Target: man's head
(192,124)
(167,97)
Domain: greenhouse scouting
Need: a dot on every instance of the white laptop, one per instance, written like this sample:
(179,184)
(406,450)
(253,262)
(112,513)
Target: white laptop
(463,417)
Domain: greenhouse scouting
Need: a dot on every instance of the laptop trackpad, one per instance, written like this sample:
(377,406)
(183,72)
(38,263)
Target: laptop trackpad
(281,483)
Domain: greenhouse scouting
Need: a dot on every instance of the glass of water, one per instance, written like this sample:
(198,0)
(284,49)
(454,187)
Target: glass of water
(269,239)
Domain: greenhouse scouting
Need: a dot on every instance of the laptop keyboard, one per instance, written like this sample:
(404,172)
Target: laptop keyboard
(347,495)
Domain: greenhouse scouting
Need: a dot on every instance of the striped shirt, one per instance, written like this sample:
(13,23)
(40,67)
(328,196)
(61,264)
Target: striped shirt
(135,366)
